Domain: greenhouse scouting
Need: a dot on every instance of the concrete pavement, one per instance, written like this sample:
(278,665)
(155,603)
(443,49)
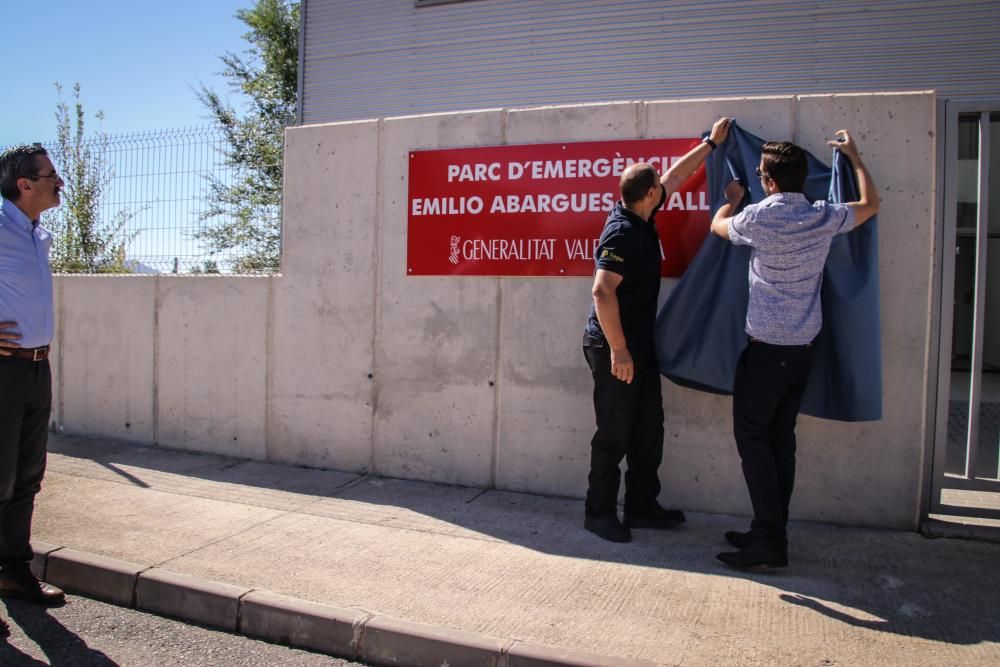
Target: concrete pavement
(412,573)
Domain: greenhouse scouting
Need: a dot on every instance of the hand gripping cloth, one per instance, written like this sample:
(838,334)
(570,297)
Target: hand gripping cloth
(700,328)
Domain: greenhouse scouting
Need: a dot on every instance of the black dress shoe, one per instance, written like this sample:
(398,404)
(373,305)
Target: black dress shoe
(738,539)
(608,528)
(25,585)
(755,554)
(658,517)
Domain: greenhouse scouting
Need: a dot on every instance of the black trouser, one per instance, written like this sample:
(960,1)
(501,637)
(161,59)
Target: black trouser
(630,426)
(770,381)
(25,405)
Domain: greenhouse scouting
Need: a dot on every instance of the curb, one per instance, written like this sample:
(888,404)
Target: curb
(345,633)
(193,599)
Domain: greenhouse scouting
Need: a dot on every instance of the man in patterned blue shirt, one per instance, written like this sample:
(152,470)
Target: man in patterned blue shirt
(29,185)
(790,239)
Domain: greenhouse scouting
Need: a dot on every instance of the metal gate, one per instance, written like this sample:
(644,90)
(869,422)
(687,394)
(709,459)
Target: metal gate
(966,466)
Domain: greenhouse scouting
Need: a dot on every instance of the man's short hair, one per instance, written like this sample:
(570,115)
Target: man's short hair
(18,162)
(636,181)
(785,164)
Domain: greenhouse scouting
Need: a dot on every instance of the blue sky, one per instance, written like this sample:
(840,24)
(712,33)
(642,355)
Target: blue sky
(136,60)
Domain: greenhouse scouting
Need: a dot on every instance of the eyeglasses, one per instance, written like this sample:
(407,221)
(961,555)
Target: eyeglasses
(761,174)
(54,174)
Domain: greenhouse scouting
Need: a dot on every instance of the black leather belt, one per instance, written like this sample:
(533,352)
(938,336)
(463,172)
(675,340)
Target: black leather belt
(758,340)
(33,353)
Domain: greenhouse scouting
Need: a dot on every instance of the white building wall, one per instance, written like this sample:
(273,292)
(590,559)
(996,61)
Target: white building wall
(344,361)
(379,58)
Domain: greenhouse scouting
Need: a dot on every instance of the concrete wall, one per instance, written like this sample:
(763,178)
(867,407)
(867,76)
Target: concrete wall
(346,362)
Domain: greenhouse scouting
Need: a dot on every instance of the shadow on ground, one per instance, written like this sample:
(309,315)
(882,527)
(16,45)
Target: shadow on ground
(895,582)
(60,645)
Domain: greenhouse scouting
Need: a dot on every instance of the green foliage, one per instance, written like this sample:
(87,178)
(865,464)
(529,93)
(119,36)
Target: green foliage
(209,266)
(83,241)
(245,215)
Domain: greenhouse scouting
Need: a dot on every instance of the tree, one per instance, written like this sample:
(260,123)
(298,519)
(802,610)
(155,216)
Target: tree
(82,240)
(244,215)
(209,266)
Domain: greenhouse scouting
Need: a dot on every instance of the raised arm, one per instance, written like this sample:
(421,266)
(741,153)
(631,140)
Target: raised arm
(674,177)
(867,205)
(720,223)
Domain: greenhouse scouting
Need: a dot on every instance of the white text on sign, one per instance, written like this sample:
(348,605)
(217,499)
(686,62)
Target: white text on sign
(548,169)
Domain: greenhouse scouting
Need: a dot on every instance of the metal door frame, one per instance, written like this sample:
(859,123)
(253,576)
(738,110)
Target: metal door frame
(947,165)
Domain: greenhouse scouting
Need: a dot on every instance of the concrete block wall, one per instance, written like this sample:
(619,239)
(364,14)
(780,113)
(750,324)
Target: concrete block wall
(323,319)
(105,337)
(344,361)
(437,338)
(172,360)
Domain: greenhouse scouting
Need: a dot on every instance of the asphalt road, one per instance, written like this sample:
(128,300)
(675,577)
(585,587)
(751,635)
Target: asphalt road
(87,633)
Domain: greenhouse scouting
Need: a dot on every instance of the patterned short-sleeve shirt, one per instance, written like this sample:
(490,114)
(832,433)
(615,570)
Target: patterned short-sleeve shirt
(790,238)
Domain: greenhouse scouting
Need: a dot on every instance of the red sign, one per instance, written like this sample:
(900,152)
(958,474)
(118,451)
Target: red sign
(538,210)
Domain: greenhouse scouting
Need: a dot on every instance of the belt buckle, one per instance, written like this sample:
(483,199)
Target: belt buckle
(38,354)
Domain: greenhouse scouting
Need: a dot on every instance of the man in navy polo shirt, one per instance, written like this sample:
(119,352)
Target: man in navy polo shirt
(790,240)
(618,345)
(29,185)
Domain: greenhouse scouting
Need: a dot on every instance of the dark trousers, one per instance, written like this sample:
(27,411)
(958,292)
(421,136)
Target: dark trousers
(629,426)
(25,405)
(770,381)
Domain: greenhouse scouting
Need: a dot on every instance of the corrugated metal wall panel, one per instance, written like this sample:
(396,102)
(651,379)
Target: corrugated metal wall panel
(372,58)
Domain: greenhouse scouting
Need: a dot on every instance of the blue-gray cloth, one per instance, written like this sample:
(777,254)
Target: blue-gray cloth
(700,329)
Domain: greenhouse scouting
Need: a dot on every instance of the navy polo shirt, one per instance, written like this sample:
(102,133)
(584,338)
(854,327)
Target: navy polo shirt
(630,247)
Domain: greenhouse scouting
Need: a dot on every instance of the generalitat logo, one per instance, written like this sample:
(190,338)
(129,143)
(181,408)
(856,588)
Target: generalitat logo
(453,257)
